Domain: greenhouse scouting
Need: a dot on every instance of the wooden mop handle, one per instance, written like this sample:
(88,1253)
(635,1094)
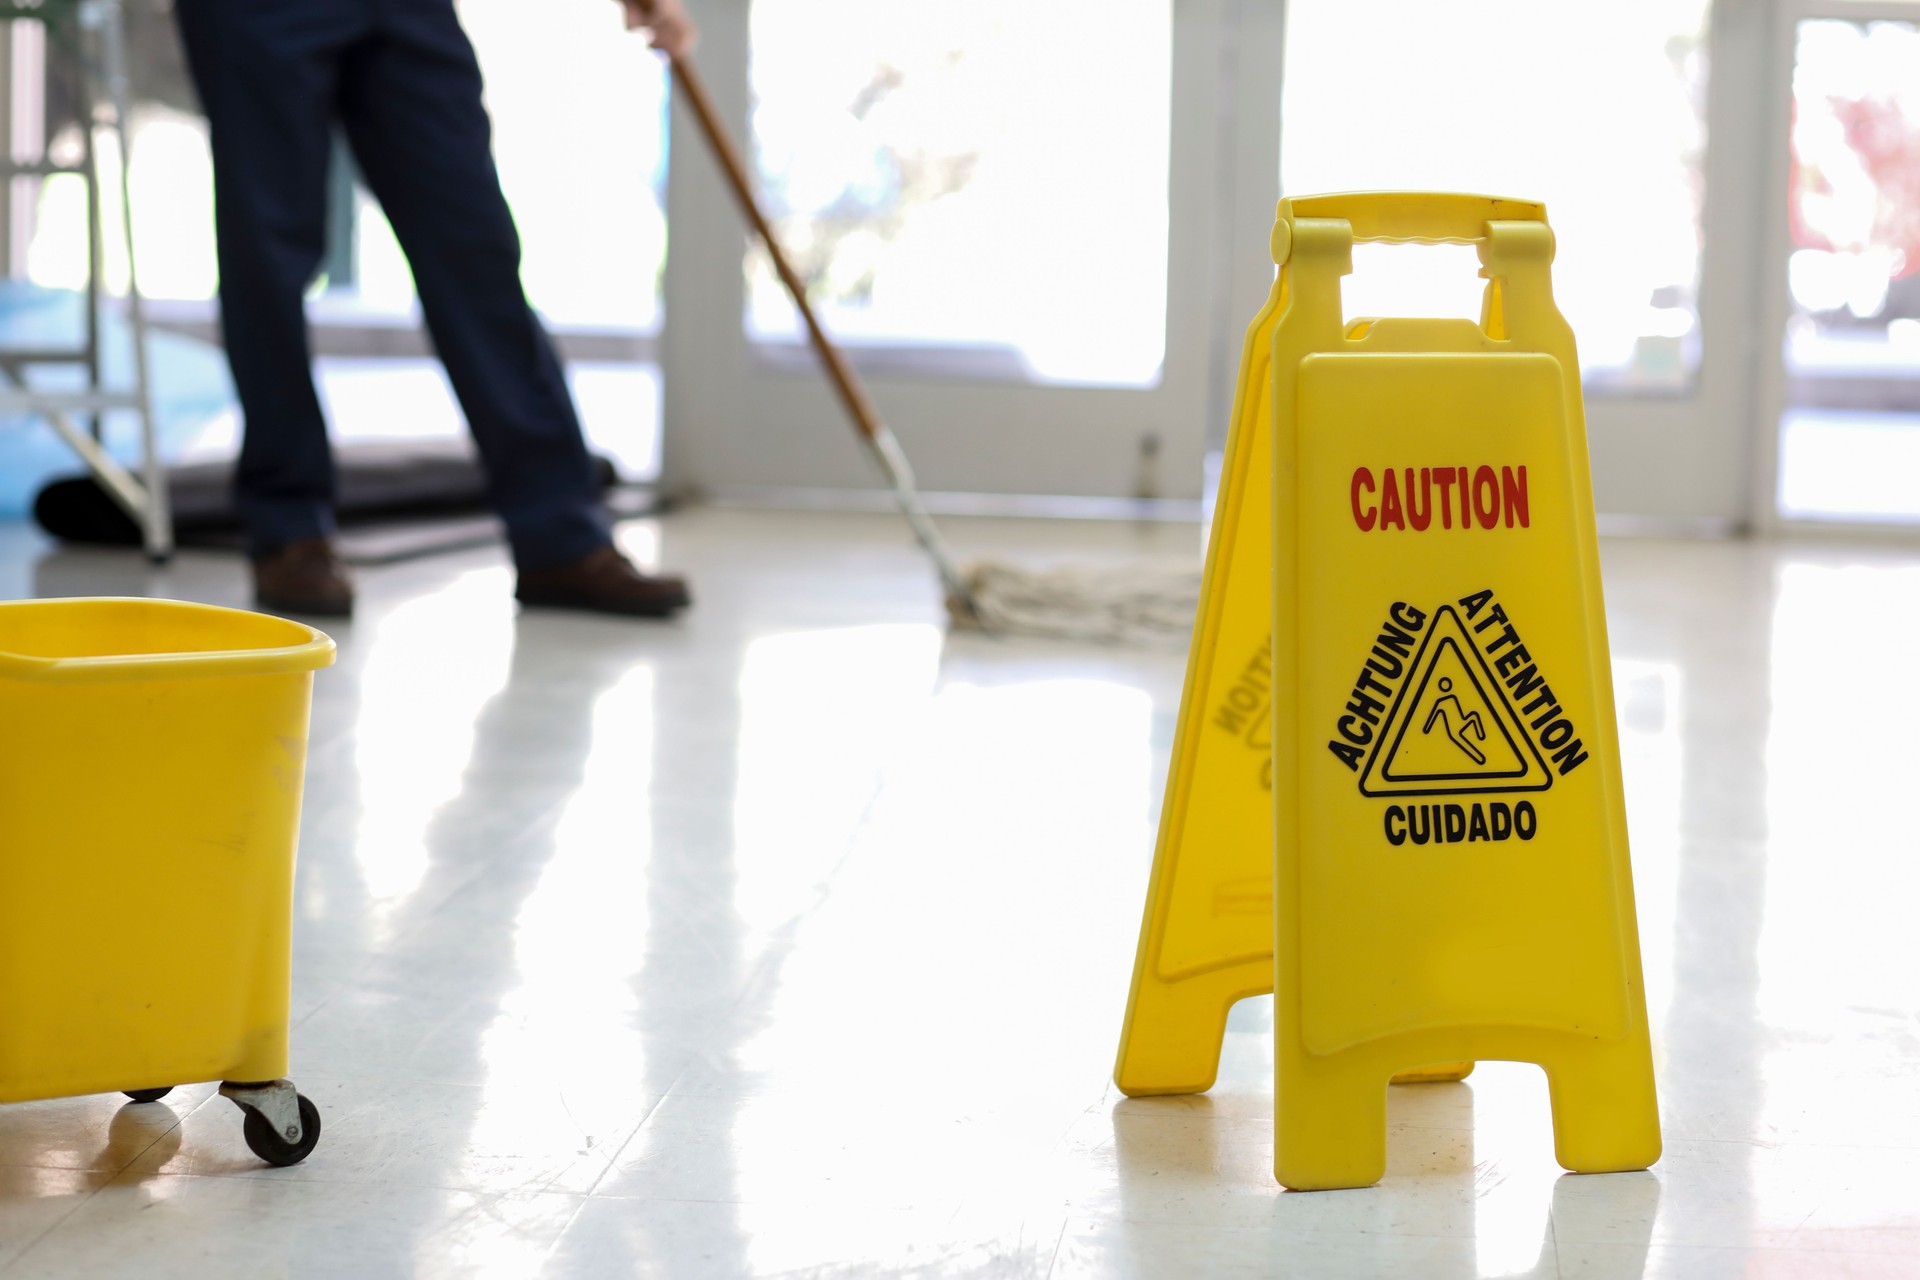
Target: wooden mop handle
(873,433)
(852,394)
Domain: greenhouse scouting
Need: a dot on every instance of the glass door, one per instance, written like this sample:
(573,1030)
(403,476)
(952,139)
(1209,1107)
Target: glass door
(1627,120)
(1849,382)
(1012,215)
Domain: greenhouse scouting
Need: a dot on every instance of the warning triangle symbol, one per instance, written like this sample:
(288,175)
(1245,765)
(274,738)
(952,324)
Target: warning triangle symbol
(1451,730)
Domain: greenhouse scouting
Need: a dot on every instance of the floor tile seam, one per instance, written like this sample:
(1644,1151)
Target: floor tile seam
(544,820)
(553,1246)
(419,1082)
(1059,1242)
(1264,1122)
(1551,1247)
(1798,1232)
(1062,1145)
(778,947)
(1783,1245)
(477,875)
(366,958)
(311,1014)
(482,1200)
(1393,1126)
(1072,1216)
(1913,1253)
(1312,1234)
(876,787)
(306,1178)
(1795,1229)
(386,1080)
(1675,1246)
(1798,1145)
(63,1219)
(609,1198)
(1553,1235)
(607,1170)
(783,939)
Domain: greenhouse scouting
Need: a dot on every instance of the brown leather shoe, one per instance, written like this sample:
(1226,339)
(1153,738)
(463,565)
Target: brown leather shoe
(603,581)
(304,577)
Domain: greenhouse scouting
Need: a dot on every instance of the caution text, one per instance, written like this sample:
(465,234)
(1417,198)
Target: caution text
(1417,499)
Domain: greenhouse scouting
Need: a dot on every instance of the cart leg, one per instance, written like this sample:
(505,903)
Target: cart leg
(156,519)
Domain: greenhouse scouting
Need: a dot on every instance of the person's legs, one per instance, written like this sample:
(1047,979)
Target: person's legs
(410,101)
(267,78)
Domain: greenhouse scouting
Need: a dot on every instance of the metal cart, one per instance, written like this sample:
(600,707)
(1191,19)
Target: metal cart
(92,35)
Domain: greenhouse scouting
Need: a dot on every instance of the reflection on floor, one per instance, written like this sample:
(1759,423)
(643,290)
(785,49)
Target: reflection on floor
(792,939)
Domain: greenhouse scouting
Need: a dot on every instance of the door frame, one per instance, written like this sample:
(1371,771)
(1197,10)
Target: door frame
(1684,462)
(1771,265)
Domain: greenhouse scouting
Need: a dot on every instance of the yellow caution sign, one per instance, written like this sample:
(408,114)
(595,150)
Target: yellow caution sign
(1399,715)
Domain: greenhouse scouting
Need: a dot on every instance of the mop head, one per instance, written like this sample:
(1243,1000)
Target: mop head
(1142,606)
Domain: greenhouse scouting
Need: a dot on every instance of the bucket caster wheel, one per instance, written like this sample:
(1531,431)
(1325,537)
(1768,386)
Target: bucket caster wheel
(148,1095)
(268,1143)
(282,1127)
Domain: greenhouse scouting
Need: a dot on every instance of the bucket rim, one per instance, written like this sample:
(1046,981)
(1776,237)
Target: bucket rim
(311,653)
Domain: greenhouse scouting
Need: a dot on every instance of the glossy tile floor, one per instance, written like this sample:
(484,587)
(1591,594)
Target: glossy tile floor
(791,939)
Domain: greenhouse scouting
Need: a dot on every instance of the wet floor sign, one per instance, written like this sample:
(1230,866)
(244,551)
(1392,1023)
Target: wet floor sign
(1399,715)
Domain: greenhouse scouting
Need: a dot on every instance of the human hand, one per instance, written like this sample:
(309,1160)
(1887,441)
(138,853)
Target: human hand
(666,22)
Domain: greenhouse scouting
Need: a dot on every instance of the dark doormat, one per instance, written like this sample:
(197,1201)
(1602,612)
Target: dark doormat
(396,500)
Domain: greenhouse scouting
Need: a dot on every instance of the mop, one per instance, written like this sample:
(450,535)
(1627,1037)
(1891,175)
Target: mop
(1148,606)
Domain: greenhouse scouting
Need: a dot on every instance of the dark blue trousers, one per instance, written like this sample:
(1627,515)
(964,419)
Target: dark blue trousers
(399,77)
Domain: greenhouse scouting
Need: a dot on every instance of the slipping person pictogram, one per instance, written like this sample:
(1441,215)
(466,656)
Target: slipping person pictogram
(1450,695)
(1469,722)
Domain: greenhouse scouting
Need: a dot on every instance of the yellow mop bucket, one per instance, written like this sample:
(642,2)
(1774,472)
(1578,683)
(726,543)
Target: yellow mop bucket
(151,761)
(1395,792)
